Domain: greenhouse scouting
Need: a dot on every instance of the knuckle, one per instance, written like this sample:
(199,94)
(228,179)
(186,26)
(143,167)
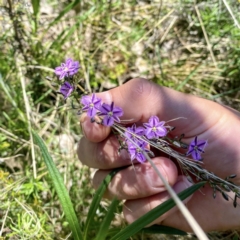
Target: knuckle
(140,86)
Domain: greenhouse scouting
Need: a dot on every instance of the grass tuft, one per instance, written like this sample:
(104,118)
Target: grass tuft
(191,46)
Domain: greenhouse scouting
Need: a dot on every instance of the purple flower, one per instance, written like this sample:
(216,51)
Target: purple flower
(137,152)
(196,147)
(154,128)
(74,68)
(69,68)
(110,114)
(131,132)
(66,89)
(91,104)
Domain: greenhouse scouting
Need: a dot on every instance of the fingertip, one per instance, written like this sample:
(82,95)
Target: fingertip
(133,209)
(93,131)
(169,169)
(181,184)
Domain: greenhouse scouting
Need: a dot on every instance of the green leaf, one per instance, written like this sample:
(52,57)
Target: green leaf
(149,217)
(103,231)
(159,229)
(235,237)
(96,200)
(36,7)
(60,189)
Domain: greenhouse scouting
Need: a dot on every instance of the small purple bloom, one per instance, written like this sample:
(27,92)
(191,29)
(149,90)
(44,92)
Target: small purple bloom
(154,128)
(131,132)
(110,114)
(196,147)
(69,68)
(137,152)
(66,89)
(74,68)
(91,104)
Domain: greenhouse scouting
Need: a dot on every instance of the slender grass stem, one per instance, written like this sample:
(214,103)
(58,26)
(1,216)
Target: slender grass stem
(4,219)
(231,13)
(28,114)
(188,216)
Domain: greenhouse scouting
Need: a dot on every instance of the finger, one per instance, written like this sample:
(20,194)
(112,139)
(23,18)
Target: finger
(103,155)
(138,181)
(93,131)
(134,209)
(141,99)
(212,214)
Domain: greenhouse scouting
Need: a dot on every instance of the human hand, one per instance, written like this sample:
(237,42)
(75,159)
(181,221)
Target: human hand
(139,185)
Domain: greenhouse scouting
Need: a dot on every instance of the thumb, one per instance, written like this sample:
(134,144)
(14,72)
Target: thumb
(140,99)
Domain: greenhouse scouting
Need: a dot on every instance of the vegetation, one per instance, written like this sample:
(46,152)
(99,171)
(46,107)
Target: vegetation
(190,46)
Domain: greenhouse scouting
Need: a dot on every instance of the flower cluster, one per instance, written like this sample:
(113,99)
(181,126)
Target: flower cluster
(67,70)
(137,137)
(94,106)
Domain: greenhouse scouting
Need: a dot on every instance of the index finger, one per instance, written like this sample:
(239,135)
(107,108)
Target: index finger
(140,99)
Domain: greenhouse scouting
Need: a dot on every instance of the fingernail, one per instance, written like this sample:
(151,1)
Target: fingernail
(124,155)
(153,178)
(181,184)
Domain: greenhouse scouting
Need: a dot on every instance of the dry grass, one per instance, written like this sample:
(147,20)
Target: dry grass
(190,47)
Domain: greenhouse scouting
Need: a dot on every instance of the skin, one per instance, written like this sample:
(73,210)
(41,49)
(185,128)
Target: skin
(139,185)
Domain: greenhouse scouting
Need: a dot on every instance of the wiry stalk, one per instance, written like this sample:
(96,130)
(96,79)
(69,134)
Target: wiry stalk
(28,118)
(188,216)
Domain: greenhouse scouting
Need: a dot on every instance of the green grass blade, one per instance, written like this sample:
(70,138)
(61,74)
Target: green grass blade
(96,200)
(64,11)
(159,229)
(60,189)
(10,97)
(7,92)
(36,7)
(184,82)
(149,217)
(103,231)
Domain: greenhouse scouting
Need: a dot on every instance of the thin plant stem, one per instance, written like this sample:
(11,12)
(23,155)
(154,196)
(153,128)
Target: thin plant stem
(28,114)
(4,220)
(188,216)
(206,37)
(231,13)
